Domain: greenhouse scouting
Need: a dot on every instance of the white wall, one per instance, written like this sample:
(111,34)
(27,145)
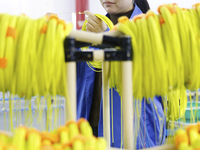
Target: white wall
(38,8)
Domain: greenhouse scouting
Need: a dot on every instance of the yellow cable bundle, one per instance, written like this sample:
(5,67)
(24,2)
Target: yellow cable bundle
(197,8)
(177,103)
(60,74)
(158,57)
(9,51)
(24,138)
(4,24)
(169,56)
(103,18)
(194,33)
(143,59)
(184,37)
(9,55)
(115,66)
(97,64)
(22,60)
(33,55)
(34,85)
(138,56)
(39,68)
(39,85)
(176,110)
(174,59)
(48,64)
(148,80)
(172,46)
(49,50)
(32,88)
(57,75)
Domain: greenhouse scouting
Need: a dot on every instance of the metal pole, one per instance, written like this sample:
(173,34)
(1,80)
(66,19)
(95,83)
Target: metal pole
(71,87)
(127,98)
(106,102)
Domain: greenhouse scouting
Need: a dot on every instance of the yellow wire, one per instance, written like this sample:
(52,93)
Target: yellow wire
(95,65)
(31,55)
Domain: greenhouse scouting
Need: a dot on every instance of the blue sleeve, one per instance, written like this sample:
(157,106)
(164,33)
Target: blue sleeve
(85,86)
(152,124)
(107,29)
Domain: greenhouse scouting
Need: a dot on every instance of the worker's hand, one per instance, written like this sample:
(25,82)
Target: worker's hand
(94,24)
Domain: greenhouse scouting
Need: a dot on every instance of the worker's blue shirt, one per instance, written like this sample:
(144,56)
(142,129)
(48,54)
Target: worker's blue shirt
(150,124)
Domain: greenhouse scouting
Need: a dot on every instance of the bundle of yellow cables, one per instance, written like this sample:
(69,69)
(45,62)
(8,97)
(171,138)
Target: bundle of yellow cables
(165,55)
(71,136)
(32,57)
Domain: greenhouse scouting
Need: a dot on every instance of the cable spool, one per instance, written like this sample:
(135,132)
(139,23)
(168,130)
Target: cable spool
(96,65)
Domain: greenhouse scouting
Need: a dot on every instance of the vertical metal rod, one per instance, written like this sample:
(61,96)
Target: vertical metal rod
(106,103)
(71,87)
(127,98)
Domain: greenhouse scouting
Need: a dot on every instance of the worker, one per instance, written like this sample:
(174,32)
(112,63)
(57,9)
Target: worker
(89,86)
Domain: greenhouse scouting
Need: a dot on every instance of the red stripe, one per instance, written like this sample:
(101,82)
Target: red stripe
(81,6)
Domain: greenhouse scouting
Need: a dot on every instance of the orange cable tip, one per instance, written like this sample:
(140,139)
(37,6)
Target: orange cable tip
(123,19)
(49,136)
(53,16)
(43,29)
(198,126)
(191,127)
(196,5)
(11,32)
(178,139)
(138,17)
(164,5)
(162,21)
(81,120)
(32,130)
(114,28)
(70,122)
(61,21)
(69,144)
(172,9)
(3,63)
(62,128)
(149,14)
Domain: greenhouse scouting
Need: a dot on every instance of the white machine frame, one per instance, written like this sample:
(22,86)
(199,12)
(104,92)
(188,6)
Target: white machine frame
(127,92)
